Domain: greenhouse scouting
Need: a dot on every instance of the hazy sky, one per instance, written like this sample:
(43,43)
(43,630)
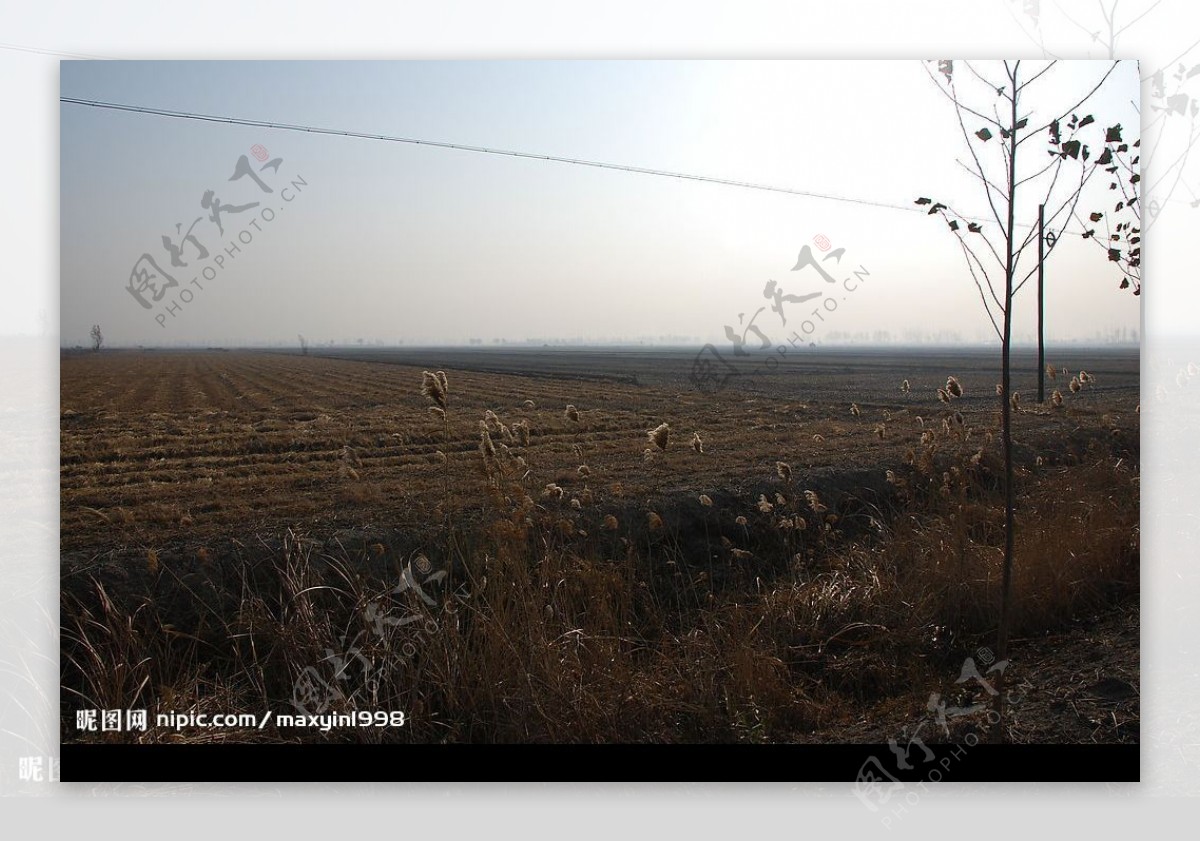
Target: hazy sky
(390,242)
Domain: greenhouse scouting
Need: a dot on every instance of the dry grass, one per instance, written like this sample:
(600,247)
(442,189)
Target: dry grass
(598,600)
(750,624)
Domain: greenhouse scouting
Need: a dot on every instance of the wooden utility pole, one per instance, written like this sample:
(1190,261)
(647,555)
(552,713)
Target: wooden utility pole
(1041,334)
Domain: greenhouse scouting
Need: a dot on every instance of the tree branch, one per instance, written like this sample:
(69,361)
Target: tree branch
(986,308)
(1103,79)
(1035,76)
(953,98)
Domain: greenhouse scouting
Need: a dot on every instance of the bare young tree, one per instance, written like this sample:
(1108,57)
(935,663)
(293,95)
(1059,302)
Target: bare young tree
(303,344)
(996,128)
(1170,124)
(97,338)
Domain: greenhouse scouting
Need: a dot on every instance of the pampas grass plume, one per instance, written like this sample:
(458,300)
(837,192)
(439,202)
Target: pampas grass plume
(660,436)
(435,387)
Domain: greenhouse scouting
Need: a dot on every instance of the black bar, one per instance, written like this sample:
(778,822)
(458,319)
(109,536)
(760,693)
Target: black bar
(240,763)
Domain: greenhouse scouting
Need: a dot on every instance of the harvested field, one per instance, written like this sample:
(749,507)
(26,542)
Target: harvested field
(164,446)
(710,591)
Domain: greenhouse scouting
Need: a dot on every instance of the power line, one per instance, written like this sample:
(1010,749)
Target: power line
(487,150)
(18,48)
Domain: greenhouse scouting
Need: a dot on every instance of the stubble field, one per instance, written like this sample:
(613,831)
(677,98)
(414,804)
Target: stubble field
(803,561)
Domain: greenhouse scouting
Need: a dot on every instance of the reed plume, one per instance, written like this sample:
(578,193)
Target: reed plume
(436,388)
(349,459)
(660,435)
(953,387)
(487,448)
(492,420)
(697,443)
(784,470)
(520,431)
